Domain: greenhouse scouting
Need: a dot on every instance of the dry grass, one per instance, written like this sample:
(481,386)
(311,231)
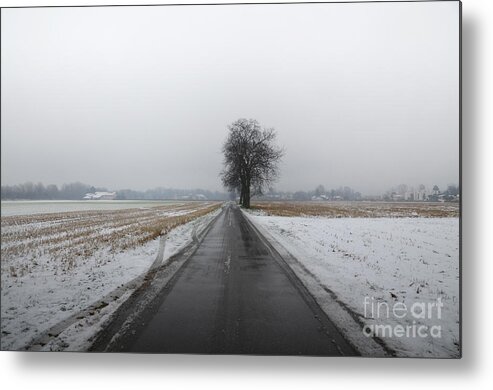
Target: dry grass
(67,238)
(359,209)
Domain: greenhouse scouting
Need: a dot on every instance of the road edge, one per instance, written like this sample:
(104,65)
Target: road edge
(155,280)
(346,321)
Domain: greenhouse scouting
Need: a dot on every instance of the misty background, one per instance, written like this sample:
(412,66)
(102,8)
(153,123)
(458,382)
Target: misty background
(361,95)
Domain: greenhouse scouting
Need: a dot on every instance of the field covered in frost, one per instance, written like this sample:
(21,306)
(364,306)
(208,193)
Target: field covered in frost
(381,263)
(54,265)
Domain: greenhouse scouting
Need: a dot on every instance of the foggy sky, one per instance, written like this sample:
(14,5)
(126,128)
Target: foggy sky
(365,95)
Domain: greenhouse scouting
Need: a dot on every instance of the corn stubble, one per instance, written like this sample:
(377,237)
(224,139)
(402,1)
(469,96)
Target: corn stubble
(71,238)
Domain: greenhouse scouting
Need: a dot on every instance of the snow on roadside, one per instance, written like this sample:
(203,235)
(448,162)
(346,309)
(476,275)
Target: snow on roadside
(36,301)
(395,263)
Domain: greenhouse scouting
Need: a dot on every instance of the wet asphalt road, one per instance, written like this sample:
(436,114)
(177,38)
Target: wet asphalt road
(234,296)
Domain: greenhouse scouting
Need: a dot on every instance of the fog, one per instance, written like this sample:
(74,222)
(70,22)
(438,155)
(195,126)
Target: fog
(364,95)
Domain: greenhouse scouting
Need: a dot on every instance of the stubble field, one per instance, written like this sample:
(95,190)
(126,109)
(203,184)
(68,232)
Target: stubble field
(342,209)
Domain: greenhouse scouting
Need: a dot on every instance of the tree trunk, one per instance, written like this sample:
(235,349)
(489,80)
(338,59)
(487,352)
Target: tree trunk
(246,196)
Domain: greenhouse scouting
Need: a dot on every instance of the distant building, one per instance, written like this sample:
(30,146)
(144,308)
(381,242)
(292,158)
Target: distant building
(409,195)
(100,196)
(421,195)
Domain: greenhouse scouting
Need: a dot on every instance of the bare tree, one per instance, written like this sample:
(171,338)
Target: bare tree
(250,159)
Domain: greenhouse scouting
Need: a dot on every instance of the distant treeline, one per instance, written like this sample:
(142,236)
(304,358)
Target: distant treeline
(76,191)
(320,193)
(171,193)
(31,191)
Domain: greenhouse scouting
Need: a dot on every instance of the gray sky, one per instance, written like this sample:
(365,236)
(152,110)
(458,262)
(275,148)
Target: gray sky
(364,95)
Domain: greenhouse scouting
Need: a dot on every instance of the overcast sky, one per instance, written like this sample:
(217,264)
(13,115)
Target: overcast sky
(365,95)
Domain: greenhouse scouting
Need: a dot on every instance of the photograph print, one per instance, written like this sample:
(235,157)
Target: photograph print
(233,179)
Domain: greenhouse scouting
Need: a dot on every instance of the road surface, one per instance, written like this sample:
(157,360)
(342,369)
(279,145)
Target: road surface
(234,295)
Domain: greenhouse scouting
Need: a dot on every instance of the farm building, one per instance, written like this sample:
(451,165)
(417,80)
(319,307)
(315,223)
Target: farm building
(100,196)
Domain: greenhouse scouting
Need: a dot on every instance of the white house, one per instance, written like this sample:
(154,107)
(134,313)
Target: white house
(100,196)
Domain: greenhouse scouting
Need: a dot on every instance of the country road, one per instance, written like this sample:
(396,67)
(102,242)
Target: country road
(234,295)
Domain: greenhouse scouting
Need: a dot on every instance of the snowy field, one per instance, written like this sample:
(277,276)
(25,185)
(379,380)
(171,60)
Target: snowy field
(27,207)
(376,268)
(55,265)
